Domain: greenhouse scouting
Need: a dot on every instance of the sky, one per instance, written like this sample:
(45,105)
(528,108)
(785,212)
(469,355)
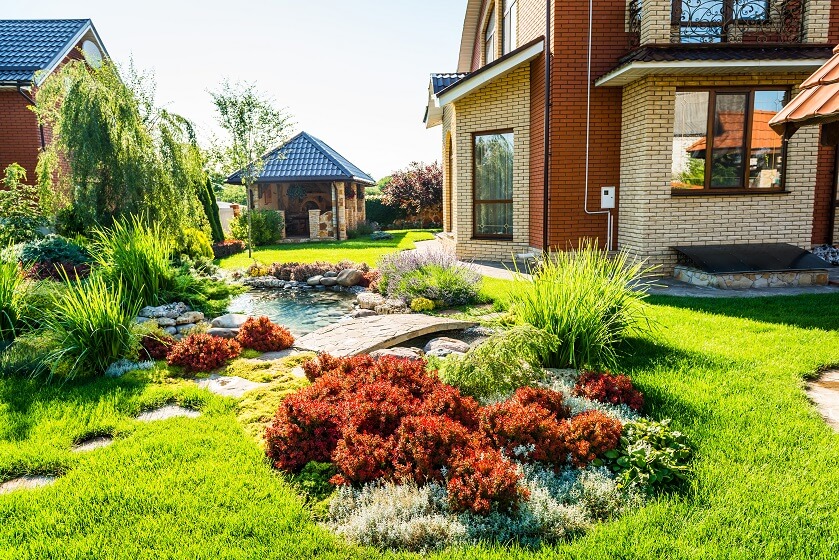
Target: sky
(352,73)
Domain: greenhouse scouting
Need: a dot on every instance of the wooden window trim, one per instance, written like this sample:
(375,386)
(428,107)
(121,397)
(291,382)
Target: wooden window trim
(475,202)
(706,189)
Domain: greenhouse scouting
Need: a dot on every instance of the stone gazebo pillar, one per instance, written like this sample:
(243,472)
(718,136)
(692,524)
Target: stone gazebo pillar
(341,214)
(359,202)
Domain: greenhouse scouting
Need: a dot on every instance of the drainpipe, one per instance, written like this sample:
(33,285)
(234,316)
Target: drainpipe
(32,102)
(547,170)
(588,132)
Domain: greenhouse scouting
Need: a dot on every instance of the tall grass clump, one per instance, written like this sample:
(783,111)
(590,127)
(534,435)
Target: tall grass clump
(11,300)
(588,300)
(137,255)
(90,327)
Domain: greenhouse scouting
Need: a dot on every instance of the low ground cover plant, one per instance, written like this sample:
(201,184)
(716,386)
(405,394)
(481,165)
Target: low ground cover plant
(202,352)
(264,336)
(433,275)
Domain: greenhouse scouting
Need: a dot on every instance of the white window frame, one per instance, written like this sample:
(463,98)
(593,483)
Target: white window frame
(510,26)
(490,45)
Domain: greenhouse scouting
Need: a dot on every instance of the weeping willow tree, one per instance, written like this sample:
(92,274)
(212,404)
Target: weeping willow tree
(113,153)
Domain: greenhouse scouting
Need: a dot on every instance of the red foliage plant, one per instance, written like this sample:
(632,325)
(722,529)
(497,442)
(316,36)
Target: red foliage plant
(590,434)
(264,336)
(155,347)
(57,271)
(202,352)
(426,445)
(227,248)
(608,388)
(482,477)
(552,401)
(527,432)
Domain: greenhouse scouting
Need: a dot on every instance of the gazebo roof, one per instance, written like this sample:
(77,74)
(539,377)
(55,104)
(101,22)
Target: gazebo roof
(305,158)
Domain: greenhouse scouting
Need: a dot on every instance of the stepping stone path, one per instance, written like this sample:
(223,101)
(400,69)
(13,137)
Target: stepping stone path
(26,483)
(825,394)
(168,411)
(93,443)
(228,386)
(367,334)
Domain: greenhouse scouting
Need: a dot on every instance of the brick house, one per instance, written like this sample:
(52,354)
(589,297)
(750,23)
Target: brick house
(636,106)
(29,51)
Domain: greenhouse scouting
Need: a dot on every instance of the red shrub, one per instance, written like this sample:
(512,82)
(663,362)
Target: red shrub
(529,433)
(608,388)
(481,477)
(57,271)
(378,407)
(590,434)
(227,248)
(445,400)
(546,398)
(371,280)
(304,429)
(264,336)
(155,347)
(426,445)
(362,457)
(202,352)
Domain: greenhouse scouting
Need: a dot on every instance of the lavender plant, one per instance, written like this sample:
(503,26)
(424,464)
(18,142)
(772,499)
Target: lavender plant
(434,275)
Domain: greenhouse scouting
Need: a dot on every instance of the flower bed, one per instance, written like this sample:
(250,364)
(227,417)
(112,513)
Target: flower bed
(419,466)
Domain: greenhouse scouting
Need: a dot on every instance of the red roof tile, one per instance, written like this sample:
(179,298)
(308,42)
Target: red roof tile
(818,101)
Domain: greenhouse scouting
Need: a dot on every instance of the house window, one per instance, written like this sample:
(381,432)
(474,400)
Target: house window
(716,21)
(489,39)
(493,196)
(722,141)
(510,27)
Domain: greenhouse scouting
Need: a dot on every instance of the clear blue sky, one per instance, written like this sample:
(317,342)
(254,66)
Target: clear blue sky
(354,73)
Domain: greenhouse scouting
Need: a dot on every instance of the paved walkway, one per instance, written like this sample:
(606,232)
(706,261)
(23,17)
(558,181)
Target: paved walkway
(367,334)
(825,395)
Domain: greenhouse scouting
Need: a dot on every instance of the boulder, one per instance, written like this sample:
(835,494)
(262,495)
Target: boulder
(443,346)
(314,280)
(190,317)
(166,322)
(184,329)
(141,320)
(359,313)
(328,281)
(369,300)
(229,321)
(350,277)
(170,310)
(330,274)
(392,307)
(223,333)
(170,330)
(398,352)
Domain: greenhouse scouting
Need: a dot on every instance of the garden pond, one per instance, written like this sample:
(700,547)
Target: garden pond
(301,311)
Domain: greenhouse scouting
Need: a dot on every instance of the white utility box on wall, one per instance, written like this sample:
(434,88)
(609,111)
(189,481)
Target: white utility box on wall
(607,197)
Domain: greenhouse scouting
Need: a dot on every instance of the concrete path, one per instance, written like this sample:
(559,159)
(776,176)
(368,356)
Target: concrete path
(825,395)
(367,334)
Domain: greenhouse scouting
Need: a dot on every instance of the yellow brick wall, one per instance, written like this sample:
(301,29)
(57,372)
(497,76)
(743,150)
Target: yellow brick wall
(652,220)
(531,20)
(502,104)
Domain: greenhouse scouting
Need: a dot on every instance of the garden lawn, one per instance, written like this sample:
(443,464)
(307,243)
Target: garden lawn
(729,372)
(360,250)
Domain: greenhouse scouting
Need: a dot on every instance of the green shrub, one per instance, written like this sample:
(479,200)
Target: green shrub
(234,194)
(422,305)
(38,299)
(267,227)
(503,363)
(69,223)
(20,214)
(362,229)
(650,454)
(11,300)
(209,296)
(588,300)
(91,325)
(376,211)
(194,243)
(137,256)
(53,249)
(313,480)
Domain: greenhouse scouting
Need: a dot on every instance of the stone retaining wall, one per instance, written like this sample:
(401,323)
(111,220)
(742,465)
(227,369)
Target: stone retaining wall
(751,280)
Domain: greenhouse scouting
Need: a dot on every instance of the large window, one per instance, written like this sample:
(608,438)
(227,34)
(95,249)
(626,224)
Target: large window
(489,39)
(722,141)
(510,27)
(493,204)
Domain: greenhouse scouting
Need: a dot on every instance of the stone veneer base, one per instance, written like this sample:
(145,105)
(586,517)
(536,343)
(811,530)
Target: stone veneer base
(742,281)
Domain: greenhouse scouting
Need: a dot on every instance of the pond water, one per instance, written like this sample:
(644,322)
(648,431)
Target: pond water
(300,311)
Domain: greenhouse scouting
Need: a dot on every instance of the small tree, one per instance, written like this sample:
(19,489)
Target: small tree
(20,214)
(253,126)
(416,188)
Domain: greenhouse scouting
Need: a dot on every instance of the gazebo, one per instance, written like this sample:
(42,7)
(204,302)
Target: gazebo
(317,190)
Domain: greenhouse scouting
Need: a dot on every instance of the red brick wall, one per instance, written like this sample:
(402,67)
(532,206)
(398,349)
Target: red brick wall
(568,222)
(833,29)
(825,178)
(537,150)
(20,139)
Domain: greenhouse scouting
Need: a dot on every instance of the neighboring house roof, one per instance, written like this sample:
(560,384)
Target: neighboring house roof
(439,82)
(305,158)
(27,46)
(730,133)
(818,101)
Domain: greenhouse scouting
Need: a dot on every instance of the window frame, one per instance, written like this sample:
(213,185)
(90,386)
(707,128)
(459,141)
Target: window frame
(726,19)
(491,23)
(476,202)
(510,36)
(706,189)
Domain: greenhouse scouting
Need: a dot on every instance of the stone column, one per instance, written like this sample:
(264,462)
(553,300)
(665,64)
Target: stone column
(655,21)
(314,224)
(282,215)
(360,206)
(341,203)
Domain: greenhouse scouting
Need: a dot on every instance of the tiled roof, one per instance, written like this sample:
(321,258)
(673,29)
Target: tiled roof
(818,102)
(305,158)
(441,81)
(730,51)
(29,45)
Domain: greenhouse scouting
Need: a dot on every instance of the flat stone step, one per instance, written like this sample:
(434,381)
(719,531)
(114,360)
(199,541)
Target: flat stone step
(26,483)
(228,386)
(825,395)
(168,411)
(93,443)
(367,334)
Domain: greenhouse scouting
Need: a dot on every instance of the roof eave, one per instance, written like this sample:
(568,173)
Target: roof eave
(467,39)
(39,77)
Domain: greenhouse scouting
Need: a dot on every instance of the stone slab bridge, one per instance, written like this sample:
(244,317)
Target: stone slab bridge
(368,334)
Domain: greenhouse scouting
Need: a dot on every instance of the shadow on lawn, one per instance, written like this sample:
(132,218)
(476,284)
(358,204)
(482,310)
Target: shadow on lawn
(811,311)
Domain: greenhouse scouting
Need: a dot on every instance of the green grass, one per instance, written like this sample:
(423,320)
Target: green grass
(358,250)
(729,372)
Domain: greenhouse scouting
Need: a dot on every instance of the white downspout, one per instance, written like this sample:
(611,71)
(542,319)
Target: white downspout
(588,132)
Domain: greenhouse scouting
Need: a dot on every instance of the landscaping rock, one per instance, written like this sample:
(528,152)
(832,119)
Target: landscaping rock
(350,277)
(228,386)
(443,346)
(223,333)
(314,280)
(359,313)
(229,321)
(92,444)
(355,290)
(26,483)
(184,329)
(330,274)
(398,352)
(479,331)
(170,310)
(190,317)
(380,236)
(392,307)
(168,411)
(141,320)
(170,330)
(369,300)
(329,282)
(164,322)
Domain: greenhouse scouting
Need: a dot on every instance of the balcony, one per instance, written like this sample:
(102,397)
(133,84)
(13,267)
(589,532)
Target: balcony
(719,21)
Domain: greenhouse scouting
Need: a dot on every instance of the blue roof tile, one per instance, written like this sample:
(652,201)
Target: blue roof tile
(442,81)
(29,45)
(305,158)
